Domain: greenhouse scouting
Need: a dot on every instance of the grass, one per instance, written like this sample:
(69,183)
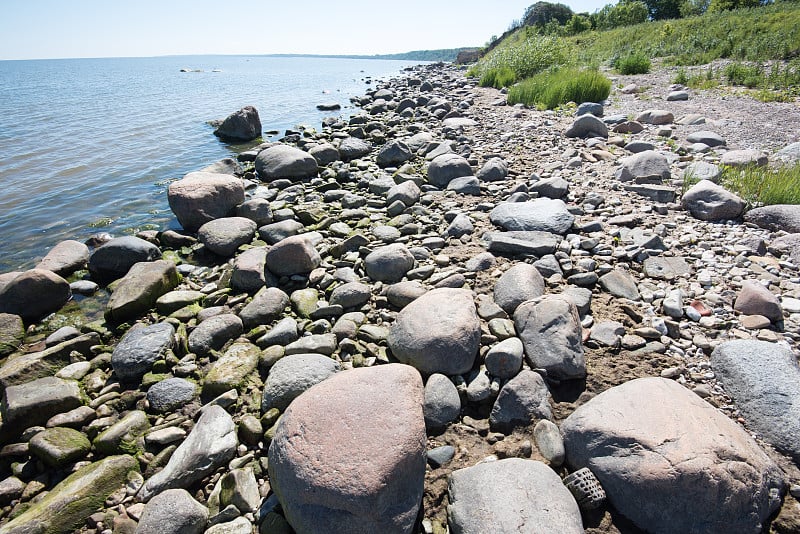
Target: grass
(681,77)
(759,186)
(524,54)
(555,88)
(498,78)
(633,63)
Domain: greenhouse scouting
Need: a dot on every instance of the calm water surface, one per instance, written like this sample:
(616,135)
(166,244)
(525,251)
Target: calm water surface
(90,145)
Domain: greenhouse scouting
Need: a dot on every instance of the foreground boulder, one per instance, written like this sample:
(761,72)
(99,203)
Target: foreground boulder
(784,217)
(285,161)
(114,259)
(708,201)
(65,258)
(66,507)
(210,445)
(34,294)
(242,125)
(338,468)
(200,197)
(670,462)
(511,495)
(764,380)
(139,290)
(439,332)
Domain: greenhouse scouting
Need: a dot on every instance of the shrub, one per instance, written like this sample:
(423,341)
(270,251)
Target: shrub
(747,75)
(532,54)
(498,78)
(554,88)
(764,185)
(681,77)
(635,63)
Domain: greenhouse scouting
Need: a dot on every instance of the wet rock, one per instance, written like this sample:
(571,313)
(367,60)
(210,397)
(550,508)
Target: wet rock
(708,201)
(443,169)
(662,450)
(755,299)
(442,404)
(224,235)
(34,294)
(294,374)
(367,467)
(173,510)
(542,214)
(200,197)
(389,263)
(784,217)
(285,161)
(242,125)
(439,332)
(293,255)
(523,400)
(511,495)
(65,258)
(139,290)
(139,349)
(214,332)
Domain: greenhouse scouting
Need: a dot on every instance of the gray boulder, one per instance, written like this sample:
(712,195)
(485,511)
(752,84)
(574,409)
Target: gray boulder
(293,255)
(662,450)
(242,125)
(211,444)
(324,153)
(587,126)
(389,263)
(115,258)
(551,334)
(285,161)
(442,404)
(65,258)
(443,169)
(554,187)
(708,201)
(788,155)
(465,185)
(504,360)
(702,170)
(200,197)
(267,305)
(530,243)
(594,108)
(784,217)
(34,294)
(350,295)
(541,214)
(224,235)
(523,400)
(139,348)
(706,137)
(248,269)
(520,283)
(645,167)
(294,374)
(655,116)
(393,153)
(368,466)
(439,332)
(494,170)
(283,333)
(511,495)
(139,290)
(170,394)
(743,158)
(764,380)
(214,332)
(353,148)
(257,210)
(33,403)
(274,232)
(407,192)
(173,511)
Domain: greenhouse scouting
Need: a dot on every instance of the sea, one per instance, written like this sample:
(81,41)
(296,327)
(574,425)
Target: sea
(91,145)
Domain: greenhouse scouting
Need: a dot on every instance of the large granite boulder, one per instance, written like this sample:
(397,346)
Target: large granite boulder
(764,381)
(708,201)
(65,258)
(34,294)
(670,462)
(139,290)
(511,495)
(542,214)
(284,161)
(294,374)
(551,334)
(139,349)
(114,259)
(200,197)
(224,235)
(439,332)
(784,217)
(242,125)
(443,169)
(338,468)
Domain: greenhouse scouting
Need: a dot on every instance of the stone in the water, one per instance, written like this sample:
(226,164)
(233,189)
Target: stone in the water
(34,294)
(784,217)
(293,255)
(708,201)
(523,400)
(443,169)
(242,125)
(520,283)
(173,510)
(442,404)
(115,258)
(285,161)
(224,235)
(662,450)
(542,214)
(65,258)
(439,332)
(139,349)
(200,197)
(294,374)
(551,334)
(338,468)
(139,290)
(755,299)
(511,495)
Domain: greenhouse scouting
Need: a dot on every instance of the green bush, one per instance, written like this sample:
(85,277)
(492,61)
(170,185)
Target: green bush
(525,55)
(498,78)
(747,75)
(763,186)
(557,87)
(681,77)
(636,63)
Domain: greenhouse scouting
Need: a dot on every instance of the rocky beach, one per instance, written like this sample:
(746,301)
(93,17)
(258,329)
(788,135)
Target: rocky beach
(439,314)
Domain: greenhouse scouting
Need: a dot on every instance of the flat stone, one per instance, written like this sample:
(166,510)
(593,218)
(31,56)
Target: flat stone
(33,403)
(139,349)
(784,217)
(529,243)
(666,267)
(542,214)
(620,284)
(57,447)
(12,333)
(655,116)
(523,400)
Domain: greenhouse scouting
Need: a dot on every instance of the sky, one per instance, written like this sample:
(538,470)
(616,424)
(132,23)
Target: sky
(38,29)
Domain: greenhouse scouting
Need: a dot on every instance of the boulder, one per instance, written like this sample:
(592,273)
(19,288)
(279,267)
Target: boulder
(670,462)
(267,305)
(706,137)
(784,217)
(353,148)
(66,507)
(393,153)
(511,495)
(655,116)
(551,334)
(350,295)
(407,192)
(257,210)
(788,155)
(114,259)
(648,167)
(225,235)
(285,161)
(242,125)
(65,258)
(620,284)
(248,269)
(23,368)
(139,290)
(12,333)
(587,125)
(702,170)
(174,511)
(764,381)
(522,401)
(442,403)
(200,197)
(708,201)
(293,255)
(743,158)
(755,299)
(34,294)
(275,232)
(554,187)
(389,263)
(33,403)
(338,468)
(439,332)
(520,283)
(214,333)
(541,214)
(443,169)
(139,349)
(211,444)
(171,394)
(294,374)
(494,170)
(232,370)
(324,153)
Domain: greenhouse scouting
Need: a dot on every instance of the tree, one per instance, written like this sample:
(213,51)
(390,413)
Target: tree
(692,8)
(540,13)
(726,5)
(664,9)
(625,13)
(578,24)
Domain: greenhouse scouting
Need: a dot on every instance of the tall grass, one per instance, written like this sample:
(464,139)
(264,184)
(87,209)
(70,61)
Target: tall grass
(554,88)
(498,78)
(525,55)
(763,186)
(633,63)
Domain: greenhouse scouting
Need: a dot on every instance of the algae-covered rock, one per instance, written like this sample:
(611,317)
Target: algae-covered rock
(232,369)
(12,333)
(122,435)
(66,507)
(139,290)
(59,446)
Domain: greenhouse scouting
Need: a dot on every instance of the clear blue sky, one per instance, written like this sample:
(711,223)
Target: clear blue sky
(112,28)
